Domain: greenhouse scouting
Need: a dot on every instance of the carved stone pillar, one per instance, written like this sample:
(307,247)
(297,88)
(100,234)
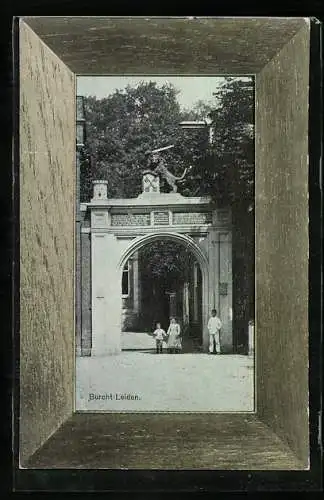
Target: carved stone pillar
(136,284)
(172,304)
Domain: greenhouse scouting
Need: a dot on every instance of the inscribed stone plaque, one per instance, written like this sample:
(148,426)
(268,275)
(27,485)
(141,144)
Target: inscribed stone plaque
(161,218)
(192,218)
(130,219)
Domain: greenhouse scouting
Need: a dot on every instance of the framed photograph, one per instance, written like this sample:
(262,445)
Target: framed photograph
(165,184)
(154,248)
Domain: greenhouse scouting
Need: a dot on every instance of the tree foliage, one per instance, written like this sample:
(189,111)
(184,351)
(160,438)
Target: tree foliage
(233,150)
(124,126)
(226,171)
(166,262)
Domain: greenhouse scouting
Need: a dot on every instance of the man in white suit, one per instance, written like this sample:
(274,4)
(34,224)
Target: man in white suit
(214,326)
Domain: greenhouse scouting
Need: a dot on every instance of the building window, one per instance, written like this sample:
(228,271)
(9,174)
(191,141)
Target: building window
(125,280)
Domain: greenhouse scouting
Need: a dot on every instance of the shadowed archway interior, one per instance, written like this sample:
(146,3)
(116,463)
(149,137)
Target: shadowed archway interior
(190,306)
(160,280)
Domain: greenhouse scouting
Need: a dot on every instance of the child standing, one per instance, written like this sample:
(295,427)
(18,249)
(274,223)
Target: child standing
(159,335)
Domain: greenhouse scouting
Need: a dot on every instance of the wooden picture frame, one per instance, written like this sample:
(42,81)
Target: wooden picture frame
(50,52)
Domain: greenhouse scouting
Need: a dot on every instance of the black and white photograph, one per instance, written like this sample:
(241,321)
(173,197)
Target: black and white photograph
(164,263)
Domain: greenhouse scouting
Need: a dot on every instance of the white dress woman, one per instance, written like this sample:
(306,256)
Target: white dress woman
(174,339)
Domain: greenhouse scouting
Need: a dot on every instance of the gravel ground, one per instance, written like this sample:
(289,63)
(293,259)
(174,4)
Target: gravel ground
(137,381)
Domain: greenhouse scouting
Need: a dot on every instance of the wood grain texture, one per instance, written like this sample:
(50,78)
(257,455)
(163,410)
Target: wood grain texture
(282,243)
(47,178)
(142,441)
(137,45)
(92,45)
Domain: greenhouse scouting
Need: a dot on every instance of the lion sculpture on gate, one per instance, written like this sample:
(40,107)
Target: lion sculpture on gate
(160,168)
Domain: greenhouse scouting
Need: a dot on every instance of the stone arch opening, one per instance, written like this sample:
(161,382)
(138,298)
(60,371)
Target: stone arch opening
(190,309)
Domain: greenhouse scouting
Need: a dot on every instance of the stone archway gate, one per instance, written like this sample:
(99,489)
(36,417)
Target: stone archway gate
(119,227)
